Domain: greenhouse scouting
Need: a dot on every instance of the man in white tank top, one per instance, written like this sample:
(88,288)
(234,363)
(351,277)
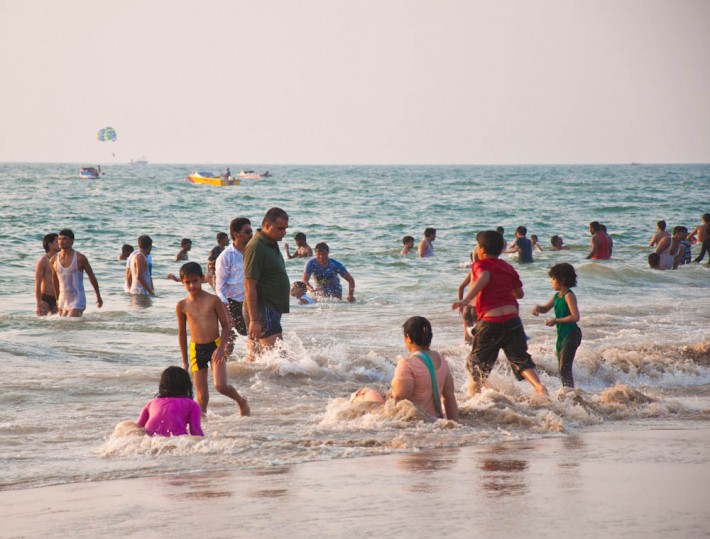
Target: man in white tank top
(138,278)
(68,267)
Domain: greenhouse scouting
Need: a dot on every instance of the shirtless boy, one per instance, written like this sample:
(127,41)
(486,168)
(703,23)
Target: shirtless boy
(185,246)
(44,286)
(408,245)
(661,233)
(203,313)
(68,267)
(303,250)
(703,233)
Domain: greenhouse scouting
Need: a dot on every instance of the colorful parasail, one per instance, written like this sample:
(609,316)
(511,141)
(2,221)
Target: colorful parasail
(106,134)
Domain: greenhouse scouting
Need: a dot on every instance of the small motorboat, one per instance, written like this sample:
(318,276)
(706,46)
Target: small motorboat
(209,178)
(252,175)
(90,173)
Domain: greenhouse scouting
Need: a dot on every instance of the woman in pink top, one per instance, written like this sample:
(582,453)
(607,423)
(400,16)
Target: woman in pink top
(173,410)
(412,378)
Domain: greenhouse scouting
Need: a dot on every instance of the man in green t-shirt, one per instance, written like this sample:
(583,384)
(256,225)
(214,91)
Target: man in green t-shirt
(266,283)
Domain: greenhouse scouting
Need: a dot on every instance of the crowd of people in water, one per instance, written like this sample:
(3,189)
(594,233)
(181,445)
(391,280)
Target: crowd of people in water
(253,291)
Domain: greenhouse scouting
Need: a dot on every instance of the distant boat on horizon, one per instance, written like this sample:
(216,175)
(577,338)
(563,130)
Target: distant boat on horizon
(141,161)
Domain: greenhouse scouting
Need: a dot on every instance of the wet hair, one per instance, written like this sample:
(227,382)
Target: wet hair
(299,236)
(190,269)
(654,260)
(407,239)
(533,237)
(144,242)
(127,249)
(273,215)
(680,229)
(236,225)
(185,242)
(300,285)
(554,239)
(428,232)
(418,329)
(221,236)
(491,242)
(564,273)
(602,227)
(322,247)
(175,382)
(595,226)
(67,233)
(500,230)
(661,225)
(706,218)
(521,230)
(48,240)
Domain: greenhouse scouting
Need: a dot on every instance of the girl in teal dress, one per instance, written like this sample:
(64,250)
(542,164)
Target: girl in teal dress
(569,336)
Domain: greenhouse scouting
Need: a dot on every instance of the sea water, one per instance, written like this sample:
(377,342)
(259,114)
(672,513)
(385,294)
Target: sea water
(71,384)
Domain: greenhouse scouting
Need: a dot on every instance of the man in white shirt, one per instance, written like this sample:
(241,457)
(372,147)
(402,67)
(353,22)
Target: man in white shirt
(229,274)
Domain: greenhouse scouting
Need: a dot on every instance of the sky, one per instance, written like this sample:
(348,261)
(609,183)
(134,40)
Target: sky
(244,82)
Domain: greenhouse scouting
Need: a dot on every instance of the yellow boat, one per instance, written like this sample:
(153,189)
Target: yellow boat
(208,178)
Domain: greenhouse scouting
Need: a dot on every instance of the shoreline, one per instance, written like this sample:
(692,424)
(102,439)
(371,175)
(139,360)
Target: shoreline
(623,483)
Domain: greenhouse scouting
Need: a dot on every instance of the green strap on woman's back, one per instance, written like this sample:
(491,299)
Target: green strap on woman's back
(434,386)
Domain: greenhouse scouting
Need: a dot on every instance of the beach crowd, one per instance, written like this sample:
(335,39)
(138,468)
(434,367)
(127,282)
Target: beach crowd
(253,291)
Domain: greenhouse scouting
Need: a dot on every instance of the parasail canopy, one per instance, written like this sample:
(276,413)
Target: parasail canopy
(106,134)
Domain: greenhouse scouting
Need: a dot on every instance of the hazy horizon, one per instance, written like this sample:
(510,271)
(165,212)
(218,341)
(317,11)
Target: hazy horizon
(336,82)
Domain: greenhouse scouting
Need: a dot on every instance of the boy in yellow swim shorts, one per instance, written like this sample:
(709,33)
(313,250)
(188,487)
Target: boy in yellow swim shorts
(203,313)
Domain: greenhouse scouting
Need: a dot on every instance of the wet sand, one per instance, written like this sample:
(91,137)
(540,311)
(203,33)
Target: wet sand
(631,483)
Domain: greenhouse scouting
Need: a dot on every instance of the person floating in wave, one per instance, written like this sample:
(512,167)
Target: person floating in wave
(299,291)
(326,271)
(173,412)
(426,246)
(203,314)
(564,302)
(424,377)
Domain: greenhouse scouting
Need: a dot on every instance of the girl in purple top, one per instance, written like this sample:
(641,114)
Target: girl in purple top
(170,413)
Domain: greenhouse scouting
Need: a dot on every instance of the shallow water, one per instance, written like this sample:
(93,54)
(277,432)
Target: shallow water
(645,354)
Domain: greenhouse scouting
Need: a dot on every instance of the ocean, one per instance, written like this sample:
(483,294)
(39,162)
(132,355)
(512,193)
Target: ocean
(644,360)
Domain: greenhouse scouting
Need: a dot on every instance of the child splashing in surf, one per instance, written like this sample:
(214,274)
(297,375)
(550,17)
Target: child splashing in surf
(423,378)
(564,302)
(173,410)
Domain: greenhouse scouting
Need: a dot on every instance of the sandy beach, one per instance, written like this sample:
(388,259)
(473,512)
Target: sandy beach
(632,483)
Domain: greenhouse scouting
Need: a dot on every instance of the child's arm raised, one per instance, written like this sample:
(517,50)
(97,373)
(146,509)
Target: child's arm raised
(182,334)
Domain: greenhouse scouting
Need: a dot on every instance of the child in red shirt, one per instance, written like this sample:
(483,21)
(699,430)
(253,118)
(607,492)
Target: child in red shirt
(497,289)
